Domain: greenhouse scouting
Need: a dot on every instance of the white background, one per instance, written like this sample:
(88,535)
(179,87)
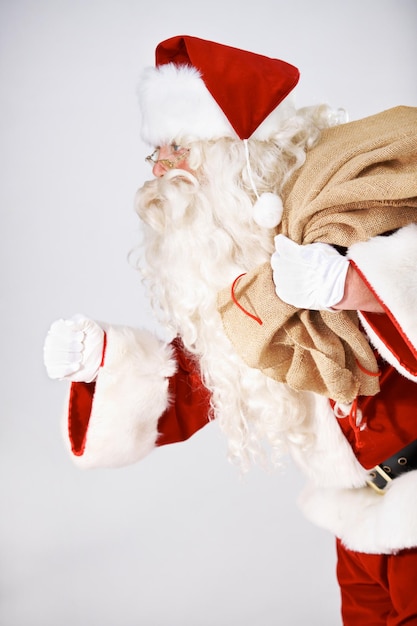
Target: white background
(178,539)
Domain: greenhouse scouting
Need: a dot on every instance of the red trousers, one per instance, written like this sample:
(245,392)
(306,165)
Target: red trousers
(377,589)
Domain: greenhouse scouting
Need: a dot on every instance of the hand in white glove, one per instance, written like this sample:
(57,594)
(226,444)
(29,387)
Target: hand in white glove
(73,349)
(310,276)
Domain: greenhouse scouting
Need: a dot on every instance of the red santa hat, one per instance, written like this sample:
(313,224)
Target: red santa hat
(205,90)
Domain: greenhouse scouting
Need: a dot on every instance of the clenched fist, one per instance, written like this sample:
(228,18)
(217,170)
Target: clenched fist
(73,349)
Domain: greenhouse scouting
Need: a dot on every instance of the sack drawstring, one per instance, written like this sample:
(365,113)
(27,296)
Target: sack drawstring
(234,299)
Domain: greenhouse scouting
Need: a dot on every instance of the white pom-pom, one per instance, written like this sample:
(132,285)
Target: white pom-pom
(267,210)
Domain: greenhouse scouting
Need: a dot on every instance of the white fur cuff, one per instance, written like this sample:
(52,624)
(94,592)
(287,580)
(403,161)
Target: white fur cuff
(131,393)
(389,264)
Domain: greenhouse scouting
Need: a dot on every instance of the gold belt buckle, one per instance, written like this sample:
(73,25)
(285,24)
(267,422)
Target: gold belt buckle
(378,470)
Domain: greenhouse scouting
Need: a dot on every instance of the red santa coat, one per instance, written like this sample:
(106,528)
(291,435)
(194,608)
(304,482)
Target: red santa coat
(149,394)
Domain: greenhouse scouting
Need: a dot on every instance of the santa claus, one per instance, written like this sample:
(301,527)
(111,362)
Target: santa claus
(280,255)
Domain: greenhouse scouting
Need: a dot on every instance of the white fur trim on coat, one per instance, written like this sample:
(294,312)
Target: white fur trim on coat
(389,265)
(131,394)
(364,520)
(338,499)
(329,461)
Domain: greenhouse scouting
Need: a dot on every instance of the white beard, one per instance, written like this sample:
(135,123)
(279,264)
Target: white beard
(195,245)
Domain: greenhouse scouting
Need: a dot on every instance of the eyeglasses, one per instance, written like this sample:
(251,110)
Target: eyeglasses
(152,159)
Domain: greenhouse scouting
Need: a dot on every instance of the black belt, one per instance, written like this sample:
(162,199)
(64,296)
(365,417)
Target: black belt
(405,460)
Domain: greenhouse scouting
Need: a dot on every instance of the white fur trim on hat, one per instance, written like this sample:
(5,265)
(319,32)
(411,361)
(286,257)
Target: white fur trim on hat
(175,103)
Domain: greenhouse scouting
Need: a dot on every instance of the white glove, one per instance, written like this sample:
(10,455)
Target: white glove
(73,349)
(312,276)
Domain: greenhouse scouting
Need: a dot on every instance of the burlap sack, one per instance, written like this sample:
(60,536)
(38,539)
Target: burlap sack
(358,182)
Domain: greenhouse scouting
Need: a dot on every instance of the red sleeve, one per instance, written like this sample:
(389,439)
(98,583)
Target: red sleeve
(190,400)
(79,411)
(187,413)
(389,331)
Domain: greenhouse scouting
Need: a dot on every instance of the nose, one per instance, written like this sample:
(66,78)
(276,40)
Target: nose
(158,170)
